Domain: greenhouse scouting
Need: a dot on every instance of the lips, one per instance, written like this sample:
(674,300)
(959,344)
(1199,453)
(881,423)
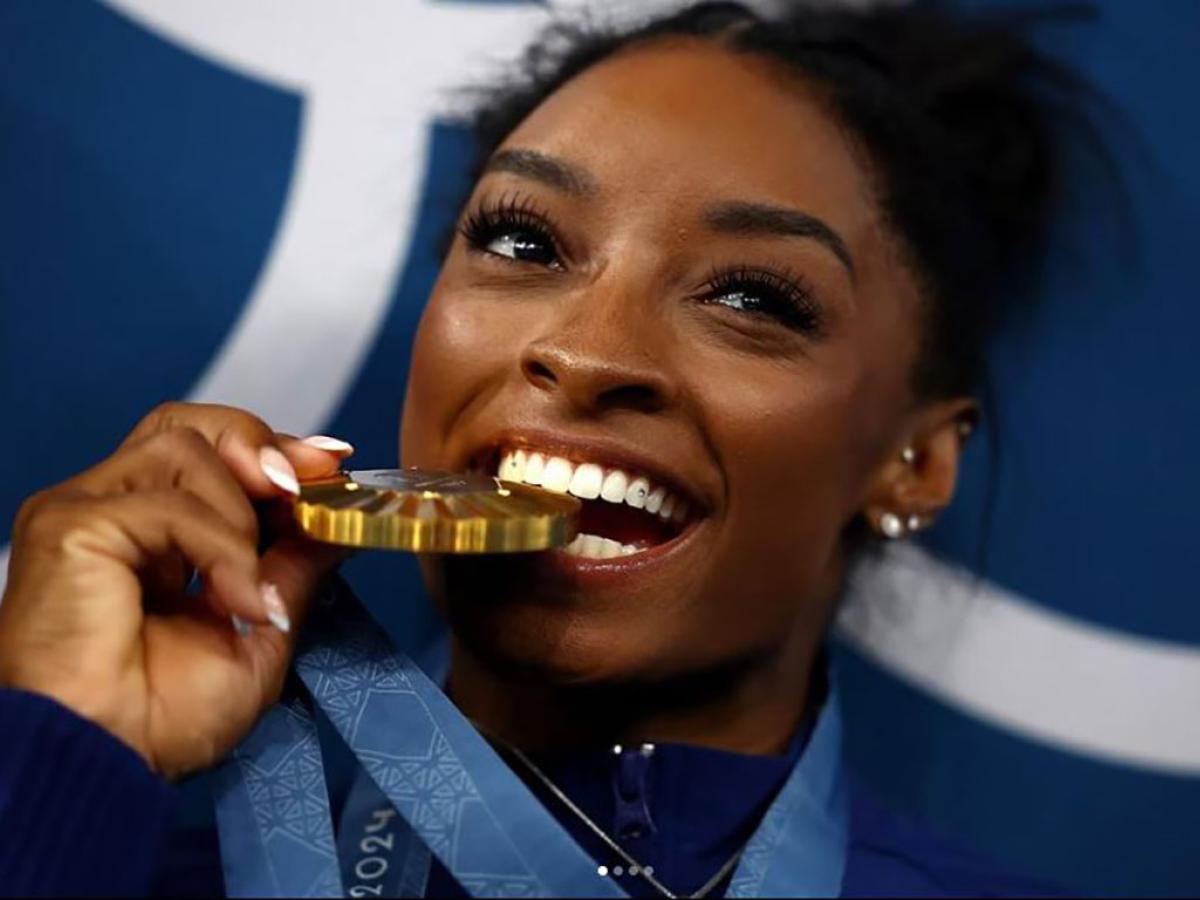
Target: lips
(627,512)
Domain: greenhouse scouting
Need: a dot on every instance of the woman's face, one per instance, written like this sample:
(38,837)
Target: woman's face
(676,269)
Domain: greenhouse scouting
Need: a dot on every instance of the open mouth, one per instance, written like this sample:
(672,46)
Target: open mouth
(624,512)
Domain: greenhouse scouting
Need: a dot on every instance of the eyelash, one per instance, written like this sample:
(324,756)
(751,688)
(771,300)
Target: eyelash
(783,297)
(507,216)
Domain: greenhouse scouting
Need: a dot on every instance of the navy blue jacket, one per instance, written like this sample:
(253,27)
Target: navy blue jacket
(80,813)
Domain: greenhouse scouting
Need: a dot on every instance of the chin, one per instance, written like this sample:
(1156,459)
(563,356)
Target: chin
(522,624)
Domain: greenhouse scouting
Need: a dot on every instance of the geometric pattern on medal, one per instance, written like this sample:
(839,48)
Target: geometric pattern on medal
(426,782)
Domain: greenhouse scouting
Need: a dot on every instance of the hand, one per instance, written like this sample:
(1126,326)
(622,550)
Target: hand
(97,614)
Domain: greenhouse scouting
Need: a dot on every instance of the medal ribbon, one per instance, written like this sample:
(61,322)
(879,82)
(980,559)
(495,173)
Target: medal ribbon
(454,798)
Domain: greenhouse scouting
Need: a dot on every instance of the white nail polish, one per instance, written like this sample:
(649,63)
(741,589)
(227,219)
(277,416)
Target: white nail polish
(273,606)
(330,444)
(278,470)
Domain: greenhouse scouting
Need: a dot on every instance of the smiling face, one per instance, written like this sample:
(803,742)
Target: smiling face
(674,269)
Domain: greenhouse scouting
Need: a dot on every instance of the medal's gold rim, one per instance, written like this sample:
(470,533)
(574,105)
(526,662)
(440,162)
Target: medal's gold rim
(515,518)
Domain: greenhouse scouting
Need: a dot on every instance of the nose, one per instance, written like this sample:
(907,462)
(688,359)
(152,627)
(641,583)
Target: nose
(599,363)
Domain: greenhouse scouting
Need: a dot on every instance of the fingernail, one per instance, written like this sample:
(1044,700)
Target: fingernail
(277,468)
(240,625)
(330,444)
(273,606)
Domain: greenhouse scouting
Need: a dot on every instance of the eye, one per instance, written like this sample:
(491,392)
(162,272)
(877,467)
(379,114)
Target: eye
(512,229)
(523,245)
(759,292)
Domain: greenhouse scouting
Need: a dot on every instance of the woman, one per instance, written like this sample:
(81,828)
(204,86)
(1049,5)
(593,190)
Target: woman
(727,279)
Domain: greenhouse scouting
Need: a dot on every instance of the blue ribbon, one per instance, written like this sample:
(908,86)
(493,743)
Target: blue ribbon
(381,855)
(273,811)
(432,786)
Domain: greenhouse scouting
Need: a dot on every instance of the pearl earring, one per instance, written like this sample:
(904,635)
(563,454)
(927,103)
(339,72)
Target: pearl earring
(914,523)
(909,455)
(891,526)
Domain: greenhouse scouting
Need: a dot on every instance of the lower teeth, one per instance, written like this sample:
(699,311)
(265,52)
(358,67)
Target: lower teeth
(592,546)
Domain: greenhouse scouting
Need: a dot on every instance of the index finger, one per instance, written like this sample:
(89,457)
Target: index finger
(266,464)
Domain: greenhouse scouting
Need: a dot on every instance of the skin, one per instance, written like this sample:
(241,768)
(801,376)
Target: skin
(782,438)
(785,438)
(95,613)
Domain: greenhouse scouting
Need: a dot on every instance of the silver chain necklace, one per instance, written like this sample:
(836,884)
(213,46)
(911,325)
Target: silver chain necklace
(634,867)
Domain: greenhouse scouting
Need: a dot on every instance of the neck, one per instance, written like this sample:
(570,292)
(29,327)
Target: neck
(752,706)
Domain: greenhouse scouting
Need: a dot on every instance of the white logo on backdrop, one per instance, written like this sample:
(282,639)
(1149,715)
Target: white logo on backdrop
(1020,666)
(372,75)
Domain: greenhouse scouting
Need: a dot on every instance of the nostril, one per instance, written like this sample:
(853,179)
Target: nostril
(594,382)
(538,372)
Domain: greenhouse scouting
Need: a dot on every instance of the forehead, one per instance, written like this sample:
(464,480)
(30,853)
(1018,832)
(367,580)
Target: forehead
(685,119)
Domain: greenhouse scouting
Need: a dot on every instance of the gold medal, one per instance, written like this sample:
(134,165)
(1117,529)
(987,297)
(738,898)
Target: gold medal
(434,512)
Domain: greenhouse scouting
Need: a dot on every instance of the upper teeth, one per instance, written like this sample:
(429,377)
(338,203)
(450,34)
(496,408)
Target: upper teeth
(589,481)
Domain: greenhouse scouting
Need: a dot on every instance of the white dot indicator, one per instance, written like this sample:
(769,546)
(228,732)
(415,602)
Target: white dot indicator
(602,871)
(649,870)
(617,870)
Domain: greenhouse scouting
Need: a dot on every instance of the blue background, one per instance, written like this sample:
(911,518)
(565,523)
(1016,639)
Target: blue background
(140,187)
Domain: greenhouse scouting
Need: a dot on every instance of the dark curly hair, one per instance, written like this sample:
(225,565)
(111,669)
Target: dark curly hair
(958,114)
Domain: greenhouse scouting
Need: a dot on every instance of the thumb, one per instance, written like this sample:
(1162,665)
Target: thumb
(291,571)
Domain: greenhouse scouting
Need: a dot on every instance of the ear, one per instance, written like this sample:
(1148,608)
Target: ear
(917,479)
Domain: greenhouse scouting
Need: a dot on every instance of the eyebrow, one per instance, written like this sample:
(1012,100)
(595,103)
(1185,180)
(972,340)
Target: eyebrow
(742,218)
(549,170)
(737,217)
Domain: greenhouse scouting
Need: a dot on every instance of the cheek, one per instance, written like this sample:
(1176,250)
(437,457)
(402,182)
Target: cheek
(458,349)
(787,443)
(787,436)
(805,438)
